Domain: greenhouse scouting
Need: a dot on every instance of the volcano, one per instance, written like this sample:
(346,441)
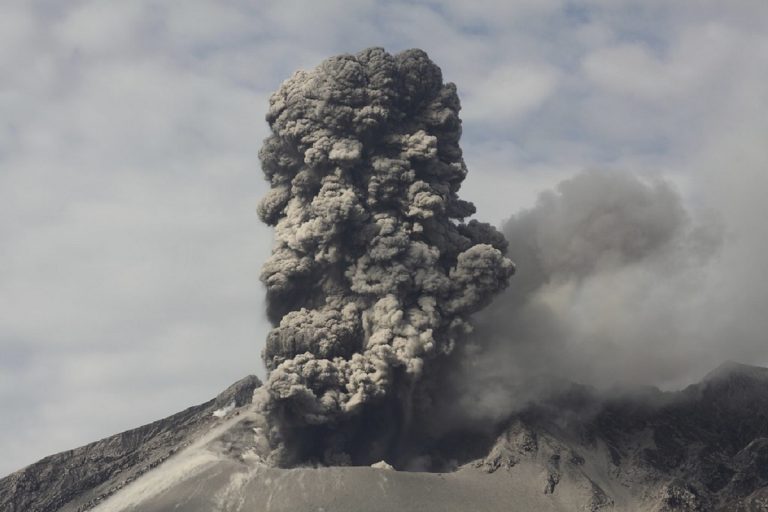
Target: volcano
(703,448)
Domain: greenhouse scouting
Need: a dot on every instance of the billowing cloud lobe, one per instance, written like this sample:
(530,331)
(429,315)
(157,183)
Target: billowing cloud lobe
(374,271)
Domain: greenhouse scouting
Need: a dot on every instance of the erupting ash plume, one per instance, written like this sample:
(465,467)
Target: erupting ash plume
(374,272)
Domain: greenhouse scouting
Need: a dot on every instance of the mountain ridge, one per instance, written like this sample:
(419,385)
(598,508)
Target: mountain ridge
(86,475)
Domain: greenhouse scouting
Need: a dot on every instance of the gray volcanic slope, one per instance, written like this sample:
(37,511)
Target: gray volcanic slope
(81,477)
(701,449)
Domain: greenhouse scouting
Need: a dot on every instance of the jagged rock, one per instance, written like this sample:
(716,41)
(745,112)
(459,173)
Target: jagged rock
(240,393)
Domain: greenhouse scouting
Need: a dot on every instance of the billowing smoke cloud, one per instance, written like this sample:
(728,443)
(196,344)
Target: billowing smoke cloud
(374,272)
(609,267)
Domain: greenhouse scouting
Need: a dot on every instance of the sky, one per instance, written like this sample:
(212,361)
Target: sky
(130,248)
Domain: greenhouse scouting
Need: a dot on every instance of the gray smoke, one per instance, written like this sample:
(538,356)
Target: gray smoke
(374,272)
(609,267)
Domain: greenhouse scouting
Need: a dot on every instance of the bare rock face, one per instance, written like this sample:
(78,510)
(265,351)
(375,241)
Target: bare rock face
(81,478)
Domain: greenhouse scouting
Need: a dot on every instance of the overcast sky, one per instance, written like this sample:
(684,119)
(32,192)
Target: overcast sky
(129,130)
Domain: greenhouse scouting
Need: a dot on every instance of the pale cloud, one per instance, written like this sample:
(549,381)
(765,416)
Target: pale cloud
(100,28)
(199,23)
(17,28)
(701,53)
(509,91)
(493,13)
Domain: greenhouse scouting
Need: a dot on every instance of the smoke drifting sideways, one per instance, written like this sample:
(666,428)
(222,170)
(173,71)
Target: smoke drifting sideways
(606,294)
(374,273)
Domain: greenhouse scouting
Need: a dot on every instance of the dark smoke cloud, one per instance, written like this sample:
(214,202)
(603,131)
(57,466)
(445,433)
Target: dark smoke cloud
(374,273)
(609,267)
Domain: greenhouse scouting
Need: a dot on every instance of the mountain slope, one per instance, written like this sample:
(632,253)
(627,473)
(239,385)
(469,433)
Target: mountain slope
(81,477)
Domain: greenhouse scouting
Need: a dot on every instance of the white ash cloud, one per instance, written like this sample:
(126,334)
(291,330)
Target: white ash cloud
(374,272)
